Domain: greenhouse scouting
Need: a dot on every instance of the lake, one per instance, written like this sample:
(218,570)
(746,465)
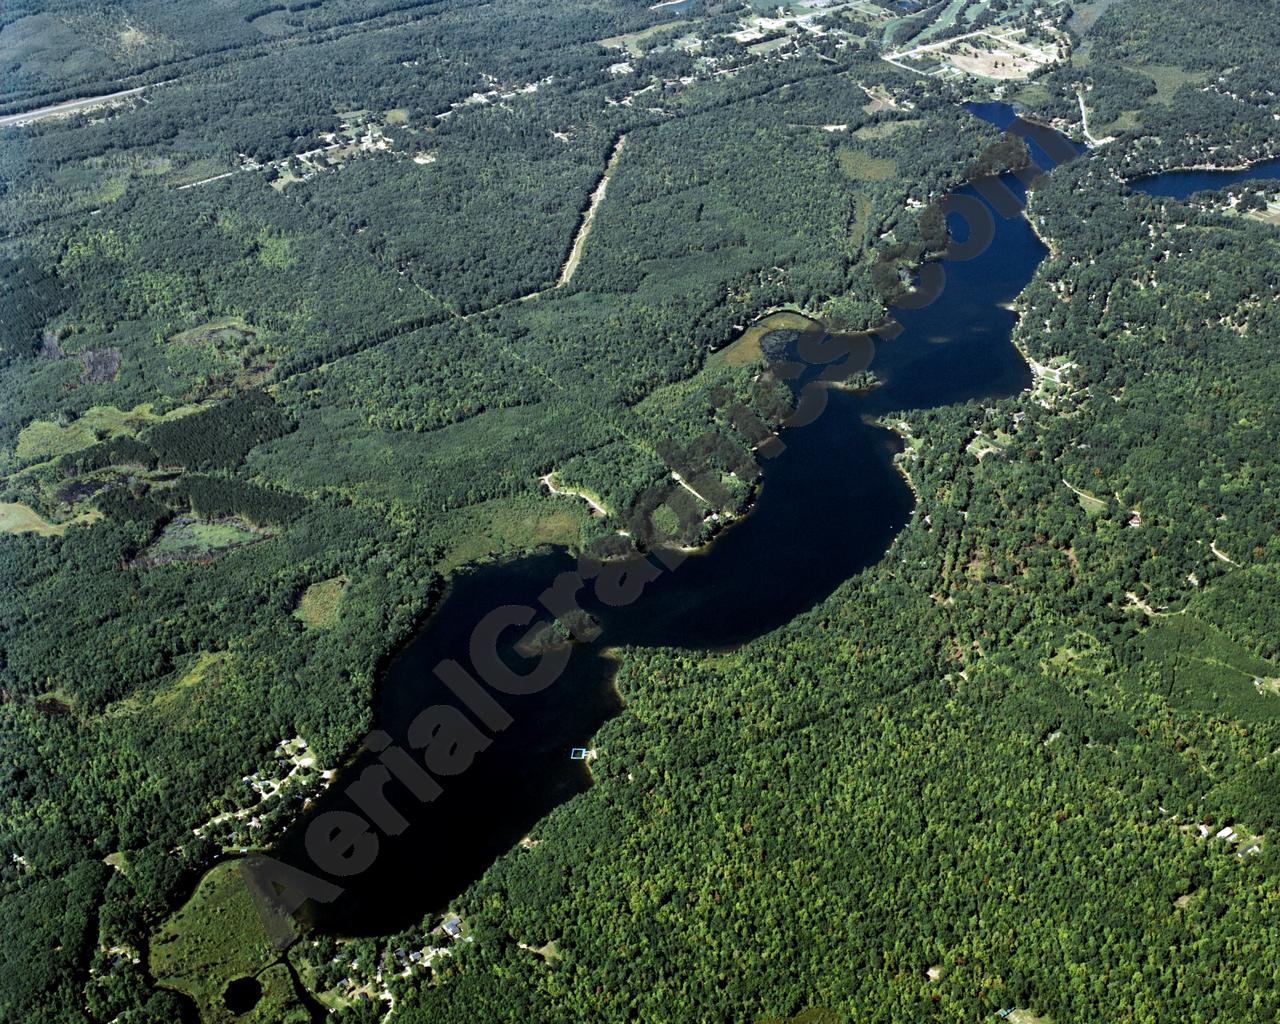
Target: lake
(1182,184)
(828,507)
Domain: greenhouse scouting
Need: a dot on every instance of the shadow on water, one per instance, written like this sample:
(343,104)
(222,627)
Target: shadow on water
(829,507)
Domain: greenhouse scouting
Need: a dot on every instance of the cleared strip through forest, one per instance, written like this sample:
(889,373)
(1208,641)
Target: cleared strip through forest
(588,218)
(66,108)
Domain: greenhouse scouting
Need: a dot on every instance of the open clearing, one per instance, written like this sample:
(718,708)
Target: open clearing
(1020,1016)
(878,100)
(882,130)
(860,165)
(219,333)
(513,524)
(320,603)
(1092,505)
(193,540)
(597,197)
(1271,215)
(44,439)
(1085,15)
(16,517)
(215,938)
(745,350)
(1000,56)
(632,40)
(1168,78)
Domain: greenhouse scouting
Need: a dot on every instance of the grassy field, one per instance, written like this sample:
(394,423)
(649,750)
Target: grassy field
(862,166)
(881,130)
(745,350)
(197,170)
(188,540)
(44,439)
(320,603)
(1092,505)
(205,665)
(1271,215)
(177,697)
(513,524)
(632,40)
(1085,15)
(1169,78)
(769,45)
(215,938)
(231,329)
(16,517)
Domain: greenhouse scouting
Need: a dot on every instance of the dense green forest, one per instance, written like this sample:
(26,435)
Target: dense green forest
(989,756)
(295,334)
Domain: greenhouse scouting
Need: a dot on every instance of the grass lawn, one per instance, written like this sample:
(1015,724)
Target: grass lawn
(944,20)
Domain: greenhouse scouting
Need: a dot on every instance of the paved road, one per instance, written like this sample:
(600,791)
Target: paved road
(69,107)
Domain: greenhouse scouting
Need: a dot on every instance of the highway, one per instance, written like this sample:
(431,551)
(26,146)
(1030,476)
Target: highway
(62,109)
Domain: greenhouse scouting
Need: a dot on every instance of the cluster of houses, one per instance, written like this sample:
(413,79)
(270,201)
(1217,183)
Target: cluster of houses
(1249,845)
(402,960)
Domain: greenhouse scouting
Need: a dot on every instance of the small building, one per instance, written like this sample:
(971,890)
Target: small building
(453,927)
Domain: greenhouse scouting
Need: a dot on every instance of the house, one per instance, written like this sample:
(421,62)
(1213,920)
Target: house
(453,927)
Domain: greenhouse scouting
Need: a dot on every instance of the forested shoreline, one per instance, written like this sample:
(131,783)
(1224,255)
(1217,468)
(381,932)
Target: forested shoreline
(284,349)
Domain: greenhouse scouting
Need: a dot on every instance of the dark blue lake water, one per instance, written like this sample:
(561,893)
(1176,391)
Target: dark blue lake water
(828,508)
(1182,184)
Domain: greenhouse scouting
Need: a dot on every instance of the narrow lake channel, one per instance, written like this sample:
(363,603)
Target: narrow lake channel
(828,508)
